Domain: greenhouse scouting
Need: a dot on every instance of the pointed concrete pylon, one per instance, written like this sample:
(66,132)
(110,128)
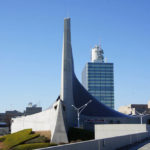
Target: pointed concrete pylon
(67,74)
(59,134)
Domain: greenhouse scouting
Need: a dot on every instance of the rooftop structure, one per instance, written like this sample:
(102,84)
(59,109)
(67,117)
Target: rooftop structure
(97,54)
(32,109)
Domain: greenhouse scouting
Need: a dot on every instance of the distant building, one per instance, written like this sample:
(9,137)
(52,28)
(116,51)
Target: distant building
(32,109)
(13,113)
(134,109)
(2,117)
(98,78)
(6,117)
(4,129)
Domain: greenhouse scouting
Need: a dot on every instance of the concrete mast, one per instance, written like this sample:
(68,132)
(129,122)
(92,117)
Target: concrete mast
(67,73)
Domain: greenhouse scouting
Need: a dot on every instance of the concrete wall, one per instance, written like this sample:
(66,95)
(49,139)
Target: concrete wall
(113,130)
(103,144)
(43,121)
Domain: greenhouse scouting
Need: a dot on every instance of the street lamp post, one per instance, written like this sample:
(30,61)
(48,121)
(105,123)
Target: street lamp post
(79,110)
(141,116)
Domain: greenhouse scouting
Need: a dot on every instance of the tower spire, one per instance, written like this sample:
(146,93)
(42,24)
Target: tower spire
(67,72)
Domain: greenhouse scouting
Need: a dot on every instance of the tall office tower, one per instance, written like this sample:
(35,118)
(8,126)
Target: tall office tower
(98,78)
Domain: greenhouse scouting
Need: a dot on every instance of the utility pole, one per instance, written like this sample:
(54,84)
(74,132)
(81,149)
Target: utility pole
(79,110)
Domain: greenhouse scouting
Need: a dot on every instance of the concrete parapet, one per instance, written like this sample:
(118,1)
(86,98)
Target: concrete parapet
(113,130)
(103,144)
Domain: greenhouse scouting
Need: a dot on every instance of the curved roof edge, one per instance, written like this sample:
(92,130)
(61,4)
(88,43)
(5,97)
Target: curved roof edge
(95,108)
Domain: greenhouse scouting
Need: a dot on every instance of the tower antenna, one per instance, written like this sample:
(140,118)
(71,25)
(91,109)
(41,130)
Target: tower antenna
(100,43)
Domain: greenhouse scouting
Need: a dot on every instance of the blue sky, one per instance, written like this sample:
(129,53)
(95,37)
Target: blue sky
(31,33)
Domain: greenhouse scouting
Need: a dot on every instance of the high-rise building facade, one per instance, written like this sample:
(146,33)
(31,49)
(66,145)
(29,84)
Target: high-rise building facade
(98,78)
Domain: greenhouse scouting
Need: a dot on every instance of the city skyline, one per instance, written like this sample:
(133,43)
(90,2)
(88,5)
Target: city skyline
(31,41)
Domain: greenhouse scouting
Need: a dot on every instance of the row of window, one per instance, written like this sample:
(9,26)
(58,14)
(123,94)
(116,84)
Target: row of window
(111,106)
(107,103)
(98,77)
(105,98)
(100,85)
(100,70)
(100,64)
(101,79)
(102,97)
(100,73)
(102,88)
(101,82)
(102,92)
(100,67)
